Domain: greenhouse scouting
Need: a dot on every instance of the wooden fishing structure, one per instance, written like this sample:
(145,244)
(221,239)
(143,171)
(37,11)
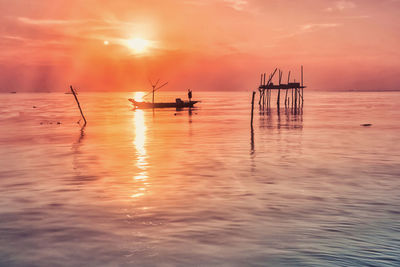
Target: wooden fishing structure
(293,92)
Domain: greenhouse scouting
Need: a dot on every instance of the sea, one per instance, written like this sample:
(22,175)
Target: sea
(318,186)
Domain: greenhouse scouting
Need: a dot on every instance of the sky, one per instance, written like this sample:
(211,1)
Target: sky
(119,45)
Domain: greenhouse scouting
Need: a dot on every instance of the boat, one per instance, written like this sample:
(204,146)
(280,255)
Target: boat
(177,104)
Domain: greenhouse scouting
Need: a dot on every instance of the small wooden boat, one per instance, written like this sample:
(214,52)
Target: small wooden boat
(177,104)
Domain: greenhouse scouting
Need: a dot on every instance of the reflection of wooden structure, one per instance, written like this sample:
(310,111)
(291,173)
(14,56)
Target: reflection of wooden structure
(294,96)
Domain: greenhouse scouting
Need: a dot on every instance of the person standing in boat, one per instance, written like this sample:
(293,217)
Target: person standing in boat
(190,95)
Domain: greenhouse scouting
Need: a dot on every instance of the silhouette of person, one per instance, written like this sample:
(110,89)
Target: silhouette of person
(190,95)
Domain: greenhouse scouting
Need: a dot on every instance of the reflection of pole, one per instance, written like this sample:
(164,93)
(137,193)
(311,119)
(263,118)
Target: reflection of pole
(252,140)
(252,108)
(292,98)
(79,106)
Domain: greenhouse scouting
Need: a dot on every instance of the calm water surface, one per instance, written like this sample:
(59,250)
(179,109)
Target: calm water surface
(174,188)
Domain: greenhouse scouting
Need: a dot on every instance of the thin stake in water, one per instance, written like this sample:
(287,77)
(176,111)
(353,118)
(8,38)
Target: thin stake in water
(77,101)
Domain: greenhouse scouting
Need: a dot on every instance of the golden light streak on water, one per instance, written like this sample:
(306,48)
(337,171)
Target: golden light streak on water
(140,146)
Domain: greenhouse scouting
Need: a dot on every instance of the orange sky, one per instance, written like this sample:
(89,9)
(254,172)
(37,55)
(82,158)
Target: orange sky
(45,45)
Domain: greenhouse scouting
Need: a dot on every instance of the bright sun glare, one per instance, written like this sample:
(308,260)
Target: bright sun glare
(138,45)
(138,96)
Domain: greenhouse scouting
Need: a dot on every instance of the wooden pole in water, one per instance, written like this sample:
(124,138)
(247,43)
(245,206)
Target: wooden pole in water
(264,91)
(259,90)
(77,101)
(302,91)
(153,96)
(286,96)
(261,83)
(263,99)
(295,97)
(279,89)
(270,97)
(268,90)
(252,108)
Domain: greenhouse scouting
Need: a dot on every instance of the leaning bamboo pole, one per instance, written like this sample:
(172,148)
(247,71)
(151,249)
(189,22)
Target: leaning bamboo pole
(77,101)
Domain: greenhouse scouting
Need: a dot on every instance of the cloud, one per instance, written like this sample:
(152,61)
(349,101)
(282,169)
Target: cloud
(312,27)
(341,6)
(237,4)
(308,28)
(91,23)
(84,28)
(47,21)
(357,17)
(195,3)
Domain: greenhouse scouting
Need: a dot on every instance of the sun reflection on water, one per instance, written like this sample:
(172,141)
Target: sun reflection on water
(140,145)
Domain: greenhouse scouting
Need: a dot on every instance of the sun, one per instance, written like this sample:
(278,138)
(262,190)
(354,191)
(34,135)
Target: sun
(138,45)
